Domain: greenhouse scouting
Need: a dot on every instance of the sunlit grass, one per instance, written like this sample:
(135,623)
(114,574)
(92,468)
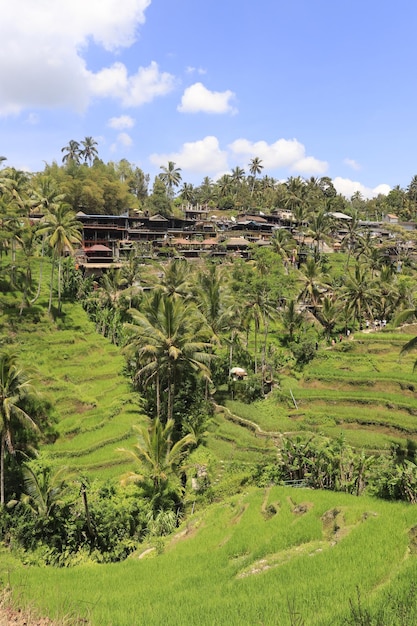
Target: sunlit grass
(246,560)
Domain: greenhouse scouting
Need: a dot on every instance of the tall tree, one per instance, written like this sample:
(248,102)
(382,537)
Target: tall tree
(167,338)
(171,177)
(255,168)
(62,231)
(89,151)
(72,152)
(15,387)
(159,461)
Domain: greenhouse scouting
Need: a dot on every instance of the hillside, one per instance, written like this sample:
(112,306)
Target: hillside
(244,555)
(274,556)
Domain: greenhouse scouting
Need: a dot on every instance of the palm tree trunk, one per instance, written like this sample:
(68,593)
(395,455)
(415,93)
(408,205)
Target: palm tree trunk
(158,396)
(40,274)
(52,284)
(59,282)
(2,452)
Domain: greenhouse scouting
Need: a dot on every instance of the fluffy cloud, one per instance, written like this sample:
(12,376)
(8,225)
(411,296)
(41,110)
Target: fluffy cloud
(352,163)
(42,52)
(121,122)
(142,87)
(348,187)
(203,156)
(288,153)
(199,99)
(123,141)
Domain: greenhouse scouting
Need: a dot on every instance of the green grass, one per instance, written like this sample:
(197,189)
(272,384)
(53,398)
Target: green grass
(236,563)
(81,374)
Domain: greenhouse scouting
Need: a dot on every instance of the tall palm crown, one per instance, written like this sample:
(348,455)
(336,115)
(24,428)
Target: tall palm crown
(72,152)
(160,457)
(171,177)
(62,231)
(167,337)
(89,150)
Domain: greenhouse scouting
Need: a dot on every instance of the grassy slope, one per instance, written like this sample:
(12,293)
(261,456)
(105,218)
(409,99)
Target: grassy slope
(236,564)
(308,565)
(362,388)
(81,373)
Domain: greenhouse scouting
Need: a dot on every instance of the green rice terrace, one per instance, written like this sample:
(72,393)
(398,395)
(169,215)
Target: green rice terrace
(265,555)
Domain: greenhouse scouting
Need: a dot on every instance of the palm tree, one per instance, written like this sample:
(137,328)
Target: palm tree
(44,488)
(328,315)
(171,177)
(213,301)
(161,460)
(167,337)
(315,284)
(405,316)
(283,243)
(187,193)
(319,229)
(89,150)
(175,278)
(72,152)
(359,293)
(255,168)
(45,195)
(292,319)
(62,230)
(15,387)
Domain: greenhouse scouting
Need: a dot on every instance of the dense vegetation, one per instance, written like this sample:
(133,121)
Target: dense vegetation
(120,422)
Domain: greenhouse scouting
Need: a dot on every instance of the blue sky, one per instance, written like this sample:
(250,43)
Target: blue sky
(312,87)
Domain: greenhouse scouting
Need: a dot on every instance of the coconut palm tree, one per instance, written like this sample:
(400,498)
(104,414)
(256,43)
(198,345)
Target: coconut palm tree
(166,338)
(255,168)
(62,231)
(89,150)
(72,152)
(360,293)
(15,388)
(319,229)
(315,284)
(292,319)
(175,279)
(171,177)
(159,460)
(44,488)
(283,243)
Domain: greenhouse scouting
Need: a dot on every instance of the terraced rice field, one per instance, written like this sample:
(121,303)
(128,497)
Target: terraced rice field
(361,388)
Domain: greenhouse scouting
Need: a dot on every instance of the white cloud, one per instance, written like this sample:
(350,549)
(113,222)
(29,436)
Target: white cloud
(203,156)
(288,153)
(121,122)
(124,140)
(142,87)
(43,43)
(199,99)
(348,187)
(352,163)
(199,70)
(310,166)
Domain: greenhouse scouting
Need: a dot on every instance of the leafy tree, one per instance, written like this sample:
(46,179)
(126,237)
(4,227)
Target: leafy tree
(62,231)
(15,387)
(171,177)
(167,337)
(72,153)
(160,460)
(255,168)
(89,150)
(360,294)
